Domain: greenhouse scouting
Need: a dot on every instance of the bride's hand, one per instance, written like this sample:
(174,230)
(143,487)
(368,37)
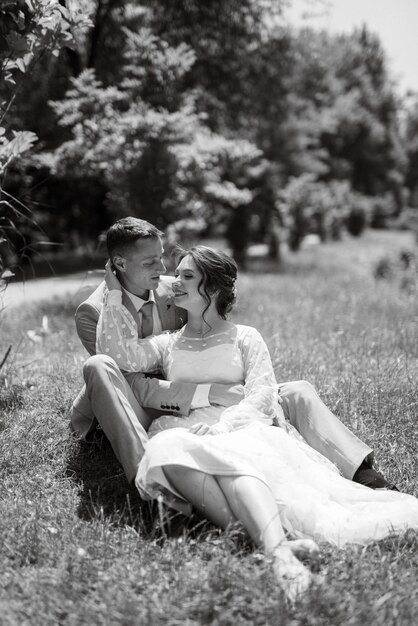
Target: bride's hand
(200,429)
(110,278)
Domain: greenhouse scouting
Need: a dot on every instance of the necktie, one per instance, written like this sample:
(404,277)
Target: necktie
(147,321)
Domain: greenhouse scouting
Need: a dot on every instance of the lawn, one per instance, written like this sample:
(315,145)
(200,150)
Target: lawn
(78,546)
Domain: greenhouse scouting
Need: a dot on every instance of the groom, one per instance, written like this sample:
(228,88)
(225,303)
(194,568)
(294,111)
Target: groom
(123,404)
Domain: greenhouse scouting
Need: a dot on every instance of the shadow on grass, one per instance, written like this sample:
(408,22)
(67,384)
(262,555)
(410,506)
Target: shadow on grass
(105,493)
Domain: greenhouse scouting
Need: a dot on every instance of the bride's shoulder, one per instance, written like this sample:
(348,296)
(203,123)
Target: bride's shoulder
(244,331)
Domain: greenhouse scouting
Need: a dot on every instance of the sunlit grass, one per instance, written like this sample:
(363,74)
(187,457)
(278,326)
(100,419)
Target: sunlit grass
(78,547)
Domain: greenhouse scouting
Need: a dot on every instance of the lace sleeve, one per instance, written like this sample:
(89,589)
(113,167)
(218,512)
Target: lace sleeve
(261,396)
(117,336)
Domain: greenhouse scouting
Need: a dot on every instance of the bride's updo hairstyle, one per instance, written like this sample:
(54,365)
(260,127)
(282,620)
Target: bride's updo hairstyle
(219,273)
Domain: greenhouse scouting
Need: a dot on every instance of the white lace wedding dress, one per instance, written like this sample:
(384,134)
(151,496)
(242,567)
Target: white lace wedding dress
(313,499)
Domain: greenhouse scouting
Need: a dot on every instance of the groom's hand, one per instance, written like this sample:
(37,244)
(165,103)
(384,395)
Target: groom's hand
(226,395)
(200,429)
(110,278)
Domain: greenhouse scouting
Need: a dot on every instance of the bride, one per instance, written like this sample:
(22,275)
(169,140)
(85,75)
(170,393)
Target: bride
(230,464)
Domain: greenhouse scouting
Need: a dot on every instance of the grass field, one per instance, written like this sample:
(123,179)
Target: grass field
(77,545)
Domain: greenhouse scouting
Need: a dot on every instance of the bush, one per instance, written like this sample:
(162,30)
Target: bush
(309,206)
(407,220)
(356,220)
(401,269)
(382,210)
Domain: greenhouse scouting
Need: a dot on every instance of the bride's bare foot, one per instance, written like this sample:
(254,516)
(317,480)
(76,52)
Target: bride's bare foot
(292,577)
(304,549)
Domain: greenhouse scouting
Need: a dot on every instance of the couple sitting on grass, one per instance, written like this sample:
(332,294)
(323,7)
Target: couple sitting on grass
(227,440)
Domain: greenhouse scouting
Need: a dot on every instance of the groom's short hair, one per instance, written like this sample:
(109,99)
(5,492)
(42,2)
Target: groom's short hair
(127,231)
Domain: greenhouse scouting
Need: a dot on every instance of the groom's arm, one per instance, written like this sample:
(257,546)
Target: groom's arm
(86,318)
(181,397)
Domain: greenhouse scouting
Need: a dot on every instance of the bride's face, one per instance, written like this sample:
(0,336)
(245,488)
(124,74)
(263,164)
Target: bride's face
(185,286)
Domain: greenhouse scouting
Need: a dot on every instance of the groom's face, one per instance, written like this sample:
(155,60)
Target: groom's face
(141,265)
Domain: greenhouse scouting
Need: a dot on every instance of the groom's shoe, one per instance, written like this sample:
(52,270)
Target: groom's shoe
(366,475)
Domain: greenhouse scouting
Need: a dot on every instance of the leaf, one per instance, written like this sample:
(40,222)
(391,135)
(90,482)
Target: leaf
(22,142)
(64,12)
(21,65)
(6,273)
(4,46)
(8,78)
(21,21)
(27,58)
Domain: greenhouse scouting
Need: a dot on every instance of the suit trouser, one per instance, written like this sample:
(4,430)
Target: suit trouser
(321,429)
(107,398)
(110,397)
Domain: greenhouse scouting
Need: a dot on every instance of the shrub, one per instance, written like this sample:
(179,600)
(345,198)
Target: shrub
(401,269)
(356,220)
(309,206)
(382,210)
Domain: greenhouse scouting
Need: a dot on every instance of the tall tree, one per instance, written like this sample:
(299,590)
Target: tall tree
(363,131)
(144,138)
(29,31)
(411,141)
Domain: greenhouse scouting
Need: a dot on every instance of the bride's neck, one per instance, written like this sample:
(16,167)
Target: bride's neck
(199,326)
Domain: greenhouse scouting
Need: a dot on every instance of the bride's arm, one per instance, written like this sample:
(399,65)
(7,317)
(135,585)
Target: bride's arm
(260,401)
(117,336)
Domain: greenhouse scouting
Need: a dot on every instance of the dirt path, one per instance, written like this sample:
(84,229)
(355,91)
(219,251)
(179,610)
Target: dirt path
(75,286)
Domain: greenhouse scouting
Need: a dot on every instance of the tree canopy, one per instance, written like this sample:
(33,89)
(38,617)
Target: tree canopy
(197,115)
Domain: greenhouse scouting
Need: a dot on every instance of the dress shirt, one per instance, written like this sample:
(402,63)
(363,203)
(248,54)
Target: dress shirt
(139,303)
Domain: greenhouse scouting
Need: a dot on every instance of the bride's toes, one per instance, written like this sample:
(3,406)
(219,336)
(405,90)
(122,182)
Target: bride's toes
(292,577)
(304,549)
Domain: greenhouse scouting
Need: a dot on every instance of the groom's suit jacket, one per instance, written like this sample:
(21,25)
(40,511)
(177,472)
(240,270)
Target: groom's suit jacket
(151,393)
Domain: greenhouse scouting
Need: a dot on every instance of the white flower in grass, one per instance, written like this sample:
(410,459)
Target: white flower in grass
(37,335)
(33,336)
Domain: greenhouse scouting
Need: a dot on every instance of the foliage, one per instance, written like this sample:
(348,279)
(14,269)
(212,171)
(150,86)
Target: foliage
(411,141)
(362,134)
(149,137)
(145,139)
(382,211)
(308,206)
(228,40)
(356,220)
(29,31)
(400,269)
(159,93)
